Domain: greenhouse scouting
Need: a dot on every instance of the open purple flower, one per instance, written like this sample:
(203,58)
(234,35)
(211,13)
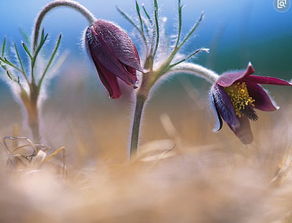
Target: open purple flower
(114,55)
(234,97)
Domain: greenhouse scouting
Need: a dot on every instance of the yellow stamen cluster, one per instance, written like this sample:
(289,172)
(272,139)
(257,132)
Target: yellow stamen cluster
(239,97)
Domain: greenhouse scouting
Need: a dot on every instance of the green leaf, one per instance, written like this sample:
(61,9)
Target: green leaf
(36,53)
(42,35)
(10,76)
(4,60)
(179,6)
(13,78)
(3,47)
(128,18)
(21,63)
(42,42)
(152,39)
(139,16)
(192,30)
(190,56)
(156,26)
(147,14)
(19,58)
(155,5)
(26,50)
(54,52)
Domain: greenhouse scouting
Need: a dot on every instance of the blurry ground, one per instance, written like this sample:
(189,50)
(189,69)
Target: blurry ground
(206,177)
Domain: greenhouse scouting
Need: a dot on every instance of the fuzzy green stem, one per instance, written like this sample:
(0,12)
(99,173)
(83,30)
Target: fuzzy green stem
(33,122)
(68,3)
(31,107)
(196,70)
(140,102)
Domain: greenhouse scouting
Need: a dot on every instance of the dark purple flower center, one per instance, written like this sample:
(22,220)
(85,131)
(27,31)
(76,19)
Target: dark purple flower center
(242,102)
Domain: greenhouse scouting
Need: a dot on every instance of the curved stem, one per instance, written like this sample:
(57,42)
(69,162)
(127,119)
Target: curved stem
(147,84)
(68,3)
(197,70)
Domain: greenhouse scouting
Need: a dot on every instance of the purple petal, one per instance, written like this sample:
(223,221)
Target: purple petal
(120,44)
(243,131)
(249,70)
(224,105)
(267,80)
(102,54)
(263,101)
(218,119)
(227,79)
(109,80)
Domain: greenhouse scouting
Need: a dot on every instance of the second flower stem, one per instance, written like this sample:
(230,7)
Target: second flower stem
(30,103)
(30,100)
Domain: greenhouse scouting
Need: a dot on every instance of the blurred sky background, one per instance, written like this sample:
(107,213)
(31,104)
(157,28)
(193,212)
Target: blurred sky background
(235,31)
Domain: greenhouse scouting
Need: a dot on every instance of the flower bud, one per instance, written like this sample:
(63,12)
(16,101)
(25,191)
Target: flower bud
(114,55)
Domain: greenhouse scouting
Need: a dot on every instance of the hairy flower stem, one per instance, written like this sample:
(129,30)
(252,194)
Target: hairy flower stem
(148,81)
(140,102)
(30,100)
(33,122)
(67,3)
(31,107)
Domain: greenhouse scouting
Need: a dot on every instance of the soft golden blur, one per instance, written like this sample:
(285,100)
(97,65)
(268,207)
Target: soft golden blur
(183,173)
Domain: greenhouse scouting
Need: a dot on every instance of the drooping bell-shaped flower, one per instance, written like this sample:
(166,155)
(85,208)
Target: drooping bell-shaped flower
(235,96)
(114,55)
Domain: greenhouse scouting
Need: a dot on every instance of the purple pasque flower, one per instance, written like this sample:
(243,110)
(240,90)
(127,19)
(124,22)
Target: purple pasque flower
(235,96)
(114,55)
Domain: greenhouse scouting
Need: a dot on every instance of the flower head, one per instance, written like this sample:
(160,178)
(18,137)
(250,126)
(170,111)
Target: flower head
(114,55)
(235,96)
